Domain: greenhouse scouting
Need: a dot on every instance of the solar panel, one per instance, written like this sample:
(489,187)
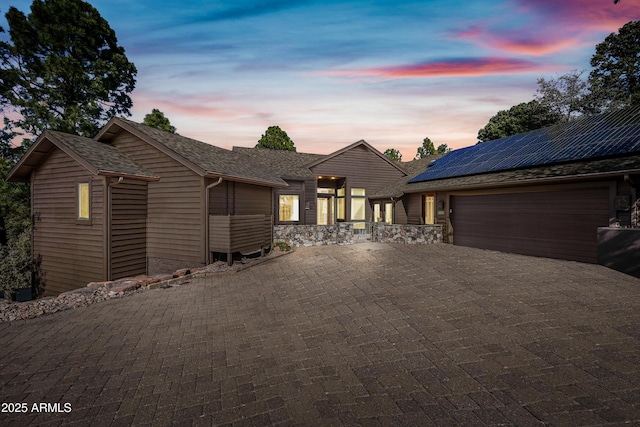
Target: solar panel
(603,135)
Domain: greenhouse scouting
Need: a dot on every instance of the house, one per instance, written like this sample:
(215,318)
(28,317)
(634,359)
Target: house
(541,193)
(137,200)
(327,189)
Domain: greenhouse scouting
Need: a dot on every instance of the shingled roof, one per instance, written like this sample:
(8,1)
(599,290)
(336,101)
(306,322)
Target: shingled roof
(98,159)
(204,159)
(412,168)
(286,164)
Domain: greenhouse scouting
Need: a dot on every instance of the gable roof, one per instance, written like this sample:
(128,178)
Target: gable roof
(202,158)
(98,159)
(413,167)
(600,136)
(286,164)
(363,143)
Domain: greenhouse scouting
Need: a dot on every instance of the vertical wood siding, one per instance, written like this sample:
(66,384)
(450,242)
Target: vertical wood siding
(72,253)
(128,229)
(362,169)
(175,223)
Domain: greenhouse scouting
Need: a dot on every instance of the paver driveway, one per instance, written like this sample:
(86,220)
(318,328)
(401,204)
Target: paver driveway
(365,334)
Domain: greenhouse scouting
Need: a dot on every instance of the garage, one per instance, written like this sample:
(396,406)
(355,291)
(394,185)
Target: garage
(555,224)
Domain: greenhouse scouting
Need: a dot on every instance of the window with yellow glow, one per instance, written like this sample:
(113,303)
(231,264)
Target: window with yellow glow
(83,200)
(340,205)
(358,202)
(289,207)
(429,209)
(388,213)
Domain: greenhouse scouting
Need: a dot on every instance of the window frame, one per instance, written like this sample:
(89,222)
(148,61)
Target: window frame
(83,201)
(429,209)
(358,195)
(296,205)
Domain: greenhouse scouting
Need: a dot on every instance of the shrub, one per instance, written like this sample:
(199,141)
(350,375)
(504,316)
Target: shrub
(283,246)
(18,270)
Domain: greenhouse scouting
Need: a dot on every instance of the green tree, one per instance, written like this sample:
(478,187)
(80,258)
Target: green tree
(426,149)
(393,154)
(62,68)
(443,149)
(156,119)
(615,78)
(14,198)
(568,95)
(518,119)
(276,139)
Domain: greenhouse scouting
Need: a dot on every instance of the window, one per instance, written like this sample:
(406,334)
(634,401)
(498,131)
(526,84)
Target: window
(289,207)
(377,213)
(358,203)
(388,213)
(340,205)
(83,201)
(429,209)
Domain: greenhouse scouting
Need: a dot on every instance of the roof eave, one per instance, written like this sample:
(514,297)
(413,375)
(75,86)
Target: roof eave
(227,177)
(521,183)
(129,176)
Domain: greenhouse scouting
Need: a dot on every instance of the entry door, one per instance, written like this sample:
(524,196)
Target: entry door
(325,211)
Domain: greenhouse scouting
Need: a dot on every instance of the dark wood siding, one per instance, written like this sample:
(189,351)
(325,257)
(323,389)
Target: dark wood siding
(175,215)
(252,199)
(413,206)
(72,251)
(128,229)
(400,213)
(240,233)
(362,168)
(555,224)
(237,198)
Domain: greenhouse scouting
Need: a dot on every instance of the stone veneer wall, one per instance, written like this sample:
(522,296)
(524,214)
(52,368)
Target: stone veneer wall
(406,234)
(344,234)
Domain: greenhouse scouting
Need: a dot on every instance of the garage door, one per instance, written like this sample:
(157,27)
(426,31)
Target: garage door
(554,224)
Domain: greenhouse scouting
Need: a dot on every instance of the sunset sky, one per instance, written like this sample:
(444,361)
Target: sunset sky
(333,72)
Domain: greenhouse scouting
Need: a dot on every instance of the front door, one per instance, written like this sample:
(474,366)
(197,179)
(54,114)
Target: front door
(325,210)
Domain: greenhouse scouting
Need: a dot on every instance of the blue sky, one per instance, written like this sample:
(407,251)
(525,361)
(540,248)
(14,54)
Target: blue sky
(333,72)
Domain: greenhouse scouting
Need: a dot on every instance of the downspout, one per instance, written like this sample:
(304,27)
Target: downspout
(206,228)
(110,210)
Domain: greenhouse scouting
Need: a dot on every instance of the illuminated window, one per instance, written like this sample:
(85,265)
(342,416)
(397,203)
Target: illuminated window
(388,213)
(358,203)
(83,201)
(429,209)
(340,205)
(377,213)
(289,207)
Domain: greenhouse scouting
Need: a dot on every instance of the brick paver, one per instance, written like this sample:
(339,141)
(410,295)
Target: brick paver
(368,334)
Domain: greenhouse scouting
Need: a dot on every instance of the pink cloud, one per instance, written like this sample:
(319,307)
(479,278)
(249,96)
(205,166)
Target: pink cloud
(515,42)
(551,26)
(448,68)
(581,15)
